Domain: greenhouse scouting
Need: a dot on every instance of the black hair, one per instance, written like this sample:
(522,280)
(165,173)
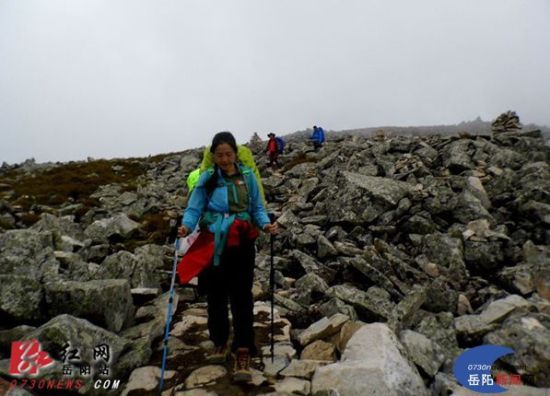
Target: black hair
(223,137)
(219,138)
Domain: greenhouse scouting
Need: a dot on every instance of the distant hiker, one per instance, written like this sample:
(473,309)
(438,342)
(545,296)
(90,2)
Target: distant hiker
(317,137)
(227,204)
(272,150)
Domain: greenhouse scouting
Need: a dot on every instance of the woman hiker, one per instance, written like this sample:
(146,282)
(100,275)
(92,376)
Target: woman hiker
(272,150)
(226,203)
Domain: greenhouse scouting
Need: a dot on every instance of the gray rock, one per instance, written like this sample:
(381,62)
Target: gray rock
(426,354)
(439,328)
(325,247)
(316,220)
(445,384)
(301,170)
(311,282)
(540,210)
(95,253)
(370,304)
(420,223)
(10,335)
(120,225)
(483,255)
(301,368)
(204,376)
(468,207)
(7,221)
(62,225)
(72,267)
(347,249)
(528,336)
(308,263)
(104,302)
(288,219)
(374,353)
(475,186)
(303,239)
(308,186)
(538,257)
(322,328)
(440,297)
(28,253)
(289,304)
(65,329)
(335,305)
(497,311)
(20,298)
(145,379)
(141,269)
(458,158)
(402,315)
(373,274)
(319,350)
(385,189)
(293,386)
(446,252)
(273,368)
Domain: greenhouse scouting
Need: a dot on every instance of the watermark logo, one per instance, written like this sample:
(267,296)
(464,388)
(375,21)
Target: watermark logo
(472,368)
(27,358)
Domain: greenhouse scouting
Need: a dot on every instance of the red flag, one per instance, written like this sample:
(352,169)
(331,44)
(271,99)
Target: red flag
(198,257)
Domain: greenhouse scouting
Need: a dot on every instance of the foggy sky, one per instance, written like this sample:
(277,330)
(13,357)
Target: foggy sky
(122,78)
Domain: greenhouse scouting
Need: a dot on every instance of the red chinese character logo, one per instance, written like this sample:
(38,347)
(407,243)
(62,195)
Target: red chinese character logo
(27,358)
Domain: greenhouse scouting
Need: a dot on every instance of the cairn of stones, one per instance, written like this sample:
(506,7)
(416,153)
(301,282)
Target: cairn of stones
(505,122)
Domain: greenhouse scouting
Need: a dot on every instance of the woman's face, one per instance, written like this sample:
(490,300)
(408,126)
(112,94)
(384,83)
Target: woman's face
(225,157)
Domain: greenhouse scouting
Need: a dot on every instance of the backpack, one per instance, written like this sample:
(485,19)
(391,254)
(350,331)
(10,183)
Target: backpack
(193,179)
(321,135)
(280,144)
(244,156)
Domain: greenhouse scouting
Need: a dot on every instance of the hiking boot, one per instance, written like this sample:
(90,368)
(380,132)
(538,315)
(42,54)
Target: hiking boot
(241,371)
(219,355)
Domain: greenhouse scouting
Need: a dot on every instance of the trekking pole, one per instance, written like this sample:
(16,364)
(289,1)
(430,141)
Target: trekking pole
(272,287)
(169,314)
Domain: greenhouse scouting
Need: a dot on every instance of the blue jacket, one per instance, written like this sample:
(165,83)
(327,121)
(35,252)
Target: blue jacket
(219,202)
(318,135)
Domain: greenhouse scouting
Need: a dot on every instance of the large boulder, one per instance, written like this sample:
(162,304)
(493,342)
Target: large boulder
(528,336)
(448,253)
(439,328)
(141,268)
(381,188)
(458,156)
(28,253)
(107,303)
(20,299)
(322,328)
(425,353)
(374,304)
(117,227)
(64,225)
(495,312)
(468,207)
(373,363)
(66,330)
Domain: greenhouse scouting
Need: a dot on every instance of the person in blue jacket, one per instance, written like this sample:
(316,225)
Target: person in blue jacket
(226,201)
(317,137)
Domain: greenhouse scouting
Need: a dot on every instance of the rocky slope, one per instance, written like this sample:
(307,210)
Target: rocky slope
(395,254)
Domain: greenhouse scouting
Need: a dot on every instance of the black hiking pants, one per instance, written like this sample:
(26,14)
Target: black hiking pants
(231,282)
